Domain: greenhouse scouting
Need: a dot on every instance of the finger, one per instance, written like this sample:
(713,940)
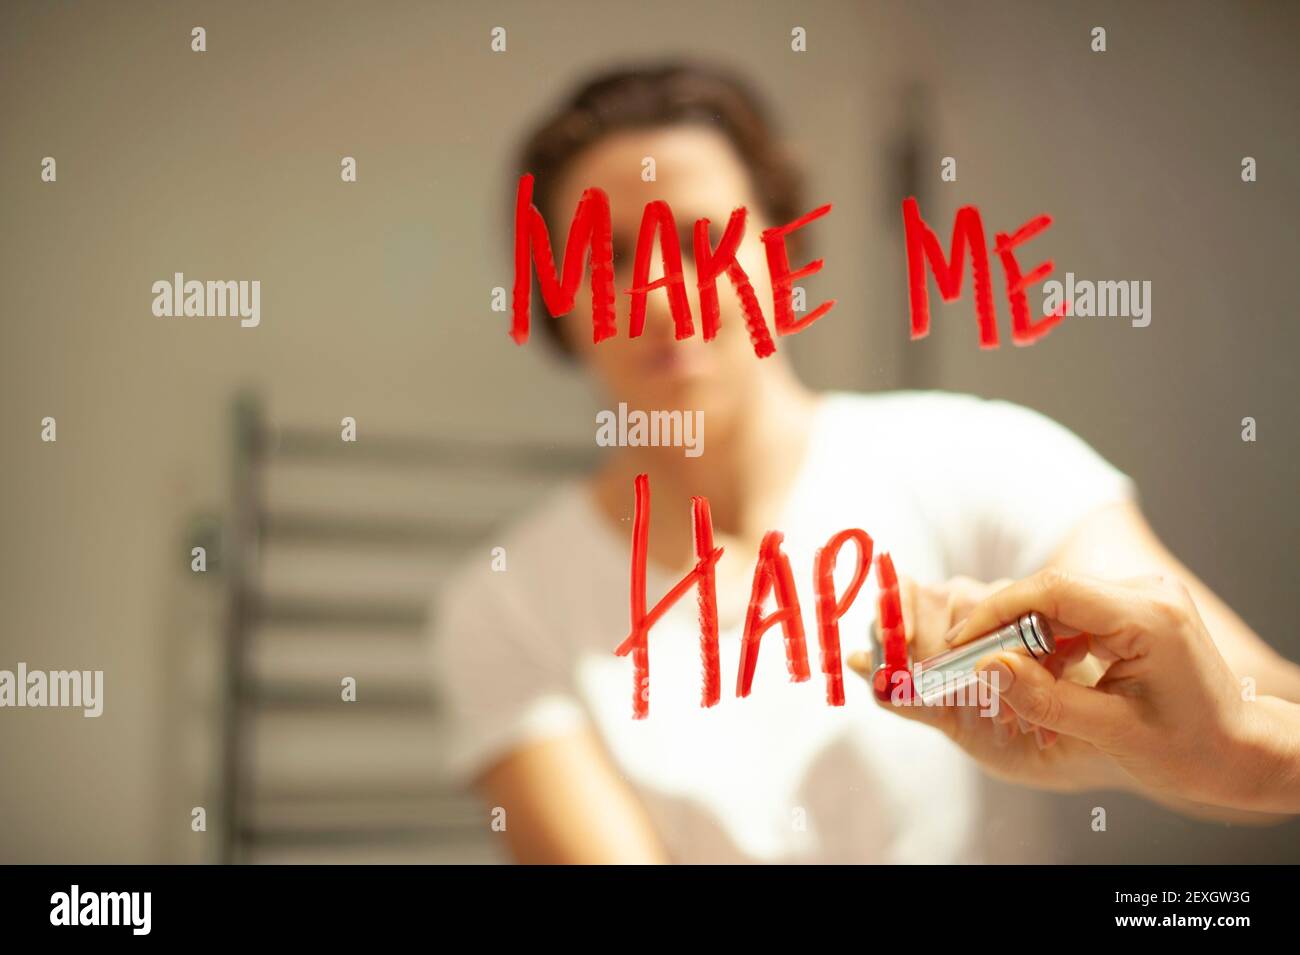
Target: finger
(1090,604)
(940,717)
(1001,734)
(907,588)
(1073,648)
(860,663)
(1068,652)
(929,622)
(965,592)
(1036,696)
(1055,666)
(1059,630)
(1102,652)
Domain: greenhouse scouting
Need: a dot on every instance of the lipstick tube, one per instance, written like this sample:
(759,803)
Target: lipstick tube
(947,672)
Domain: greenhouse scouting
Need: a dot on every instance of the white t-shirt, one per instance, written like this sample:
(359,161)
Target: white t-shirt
(948,484)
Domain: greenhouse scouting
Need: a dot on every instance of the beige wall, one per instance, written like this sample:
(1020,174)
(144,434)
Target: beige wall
(375,295)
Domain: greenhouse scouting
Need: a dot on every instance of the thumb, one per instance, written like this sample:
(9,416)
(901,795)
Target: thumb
(1065,707)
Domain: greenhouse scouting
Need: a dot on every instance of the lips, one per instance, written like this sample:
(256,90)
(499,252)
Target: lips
(675,360)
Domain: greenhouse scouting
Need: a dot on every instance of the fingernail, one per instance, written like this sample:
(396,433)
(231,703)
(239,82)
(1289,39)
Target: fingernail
(1024,727)
(857,662)
(1042,741)
(951,635)
(996,676)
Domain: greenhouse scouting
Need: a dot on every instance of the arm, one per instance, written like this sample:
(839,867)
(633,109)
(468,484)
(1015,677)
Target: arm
(1270,744)
(1168,711)
(1116,541)
(565,803)
(1258,746)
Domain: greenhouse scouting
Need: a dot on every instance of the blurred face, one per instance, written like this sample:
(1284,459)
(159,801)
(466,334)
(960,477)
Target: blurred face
(699,175)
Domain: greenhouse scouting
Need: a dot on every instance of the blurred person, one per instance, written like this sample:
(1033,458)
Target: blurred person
(540,705)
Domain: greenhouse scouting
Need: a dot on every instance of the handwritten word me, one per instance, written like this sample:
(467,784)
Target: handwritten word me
(968,232)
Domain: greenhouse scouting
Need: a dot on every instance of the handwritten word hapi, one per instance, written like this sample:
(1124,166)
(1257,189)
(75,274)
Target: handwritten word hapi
(772,578)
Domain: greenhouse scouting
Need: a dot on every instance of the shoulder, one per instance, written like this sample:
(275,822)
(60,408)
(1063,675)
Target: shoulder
(906,426)
(933,409)
(940,442)
(499,649)
(504,572)
(927,422)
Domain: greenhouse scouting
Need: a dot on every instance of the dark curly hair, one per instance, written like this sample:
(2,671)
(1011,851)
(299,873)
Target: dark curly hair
(661,95)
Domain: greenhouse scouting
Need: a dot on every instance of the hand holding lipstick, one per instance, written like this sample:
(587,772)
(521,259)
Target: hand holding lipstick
(1168,712)
(1007,746)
